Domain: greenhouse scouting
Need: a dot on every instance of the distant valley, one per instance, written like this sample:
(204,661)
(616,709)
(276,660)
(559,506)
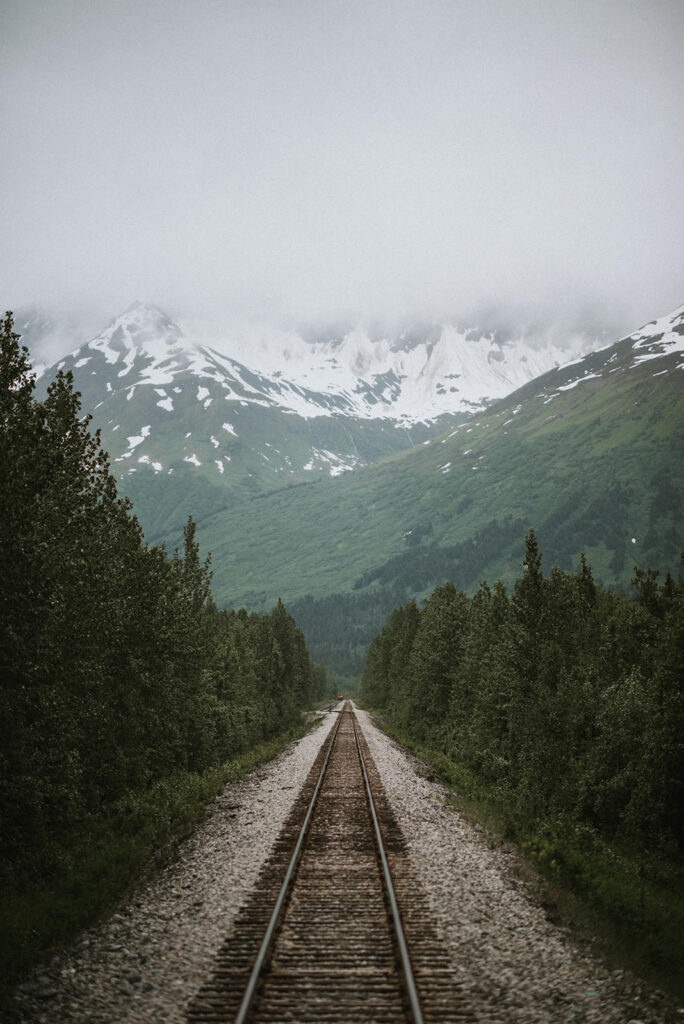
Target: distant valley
(365,491)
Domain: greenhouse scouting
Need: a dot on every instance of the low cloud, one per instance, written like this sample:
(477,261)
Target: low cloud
(314,163)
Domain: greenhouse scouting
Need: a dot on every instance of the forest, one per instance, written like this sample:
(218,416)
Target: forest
(123,685)
(559,705)
(339,627)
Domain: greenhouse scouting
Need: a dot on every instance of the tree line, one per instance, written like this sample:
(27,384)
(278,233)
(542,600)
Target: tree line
(117,668)
(561,700)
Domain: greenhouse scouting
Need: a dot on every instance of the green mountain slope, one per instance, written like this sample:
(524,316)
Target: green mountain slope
(589,454)
(191,431)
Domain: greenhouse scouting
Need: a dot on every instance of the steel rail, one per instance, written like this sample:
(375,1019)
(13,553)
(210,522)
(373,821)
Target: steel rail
(407,970)
(260,960)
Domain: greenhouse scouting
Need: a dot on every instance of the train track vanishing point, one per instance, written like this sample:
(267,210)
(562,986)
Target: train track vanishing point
(336,928)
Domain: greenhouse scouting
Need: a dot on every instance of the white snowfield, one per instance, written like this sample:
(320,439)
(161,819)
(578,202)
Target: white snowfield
(403,379)
(663,337)
(666,335)
(408,379)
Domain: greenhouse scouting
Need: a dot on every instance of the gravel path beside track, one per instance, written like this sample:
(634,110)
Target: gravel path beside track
(146,962)
(518,967)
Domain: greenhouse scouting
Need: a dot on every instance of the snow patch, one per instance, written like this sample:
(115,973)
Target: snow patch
(133,442)
(580,380)
(659,338)
(193,459)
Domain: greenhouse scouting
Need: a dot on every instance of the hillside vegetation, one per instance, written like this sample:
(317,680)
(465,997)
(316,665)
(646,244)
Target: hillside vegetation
(595,465)
(561,707)
(126,694)
(168,407)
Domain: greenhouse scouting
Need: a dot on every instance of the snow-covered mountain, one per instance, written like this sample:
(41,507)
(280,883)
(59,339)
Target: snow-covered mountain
(409,378)
(265,408)
(413,377)
(588,453)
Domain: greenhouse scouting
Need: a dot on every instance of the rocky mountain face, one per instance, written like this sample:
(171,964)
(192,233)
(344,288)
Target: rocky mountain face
(267,409)
(589,454)
(345,476)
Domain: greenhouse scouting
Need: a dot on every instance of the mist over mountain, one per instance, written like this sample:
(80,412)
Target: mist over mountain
(588,453)
(191,427)
(339,301)
(265,407)
(53,331)
(509,167)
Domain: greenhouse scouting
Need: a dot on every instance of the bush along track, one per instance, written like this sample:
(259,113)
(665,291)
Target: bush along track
(557,712)
(128,699)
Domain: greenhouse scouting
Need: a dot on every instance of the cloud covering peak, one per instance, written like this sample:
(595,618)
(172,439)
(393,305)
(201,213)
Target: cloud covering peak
(305,160)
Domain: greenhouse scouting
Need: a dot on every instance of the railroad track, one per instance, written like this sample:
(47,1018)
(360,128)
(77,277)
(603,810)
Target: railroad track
(336,928)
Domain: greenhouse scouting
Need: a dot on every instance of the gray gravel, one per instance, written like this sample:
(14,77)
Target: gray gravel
(517,965)
(147,961)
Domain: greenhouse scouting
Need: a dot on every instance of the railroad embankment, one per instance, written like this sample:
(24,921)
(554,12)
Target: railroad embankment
(148,962)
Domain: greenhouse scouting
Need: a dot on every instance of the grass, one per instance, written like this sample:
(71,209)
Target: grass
(320,540)
(628,908)
(140,835)
(586,479)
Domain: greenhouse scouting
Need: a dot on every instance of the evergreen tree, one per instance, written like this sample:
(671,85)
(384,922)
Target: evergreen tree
(117,670)
(565,700)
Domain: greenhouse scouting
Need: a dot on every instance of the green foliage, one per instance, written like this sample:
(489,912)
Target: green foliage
(134,836)
(593,467)
(562,703)
(118,672)
(339,627)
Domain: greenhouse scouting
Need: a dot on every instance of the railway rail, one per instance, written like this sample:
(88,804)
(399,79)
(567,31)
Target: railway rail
(336,929)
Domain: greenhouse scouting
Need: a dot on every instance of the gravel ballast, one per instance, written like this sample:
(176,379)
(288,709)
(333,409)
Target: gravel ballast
(146,962)
(149,959)
(517,966)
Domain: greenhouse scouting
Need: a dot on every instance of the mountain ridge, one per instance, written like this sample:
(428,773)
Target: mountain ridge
(172,407)
(589,454)
(352,373)
(585,452)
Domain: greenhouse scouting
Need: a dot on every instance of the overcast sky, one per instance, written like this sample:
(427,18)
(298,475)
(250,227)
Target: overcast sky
(313,159)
